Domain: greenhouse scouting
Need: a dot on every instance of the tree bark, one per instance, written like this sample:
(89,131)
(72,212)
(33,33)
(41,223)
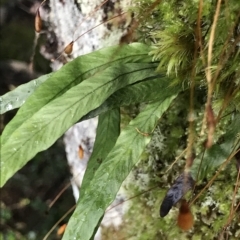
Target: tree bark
(65,22)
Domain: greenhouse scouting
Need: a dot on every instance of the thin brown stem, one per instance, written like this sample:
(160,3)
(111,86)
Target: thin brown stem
(210,45)
(55,225)
(177,158)
(199,168)
(59,195)
(217,173)
(90,15)
(234,196)
(108,20)
(132,198)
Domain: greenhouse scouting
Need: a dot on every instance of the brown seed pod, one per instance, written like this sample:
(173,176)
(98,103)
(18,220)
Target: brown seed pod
(38,22)
(185,219)
(68,49)
(61,229)
(80,152)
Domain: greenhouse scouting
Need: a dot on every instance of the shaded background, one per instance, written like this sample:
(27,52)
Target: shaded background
(25,198)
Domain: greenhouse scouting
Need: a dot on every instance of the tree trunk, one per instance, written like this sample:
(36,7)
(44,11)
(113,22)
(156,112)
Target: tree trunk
(66,21)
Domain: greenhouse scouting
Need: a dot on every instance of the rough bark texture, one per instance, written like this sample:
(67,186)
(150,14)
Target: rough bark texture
(65,22)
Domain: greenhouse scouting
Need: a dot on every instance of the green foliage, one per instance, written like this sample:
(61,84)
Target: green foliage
(43,128)
(71,75)
(108,178)
(16,99)
(178,35)
(219,152)
(108,131)
(52,108)
(99,84)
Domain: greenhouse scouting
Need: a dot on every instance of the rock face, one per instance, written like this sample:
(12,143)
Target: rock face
(66,21)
